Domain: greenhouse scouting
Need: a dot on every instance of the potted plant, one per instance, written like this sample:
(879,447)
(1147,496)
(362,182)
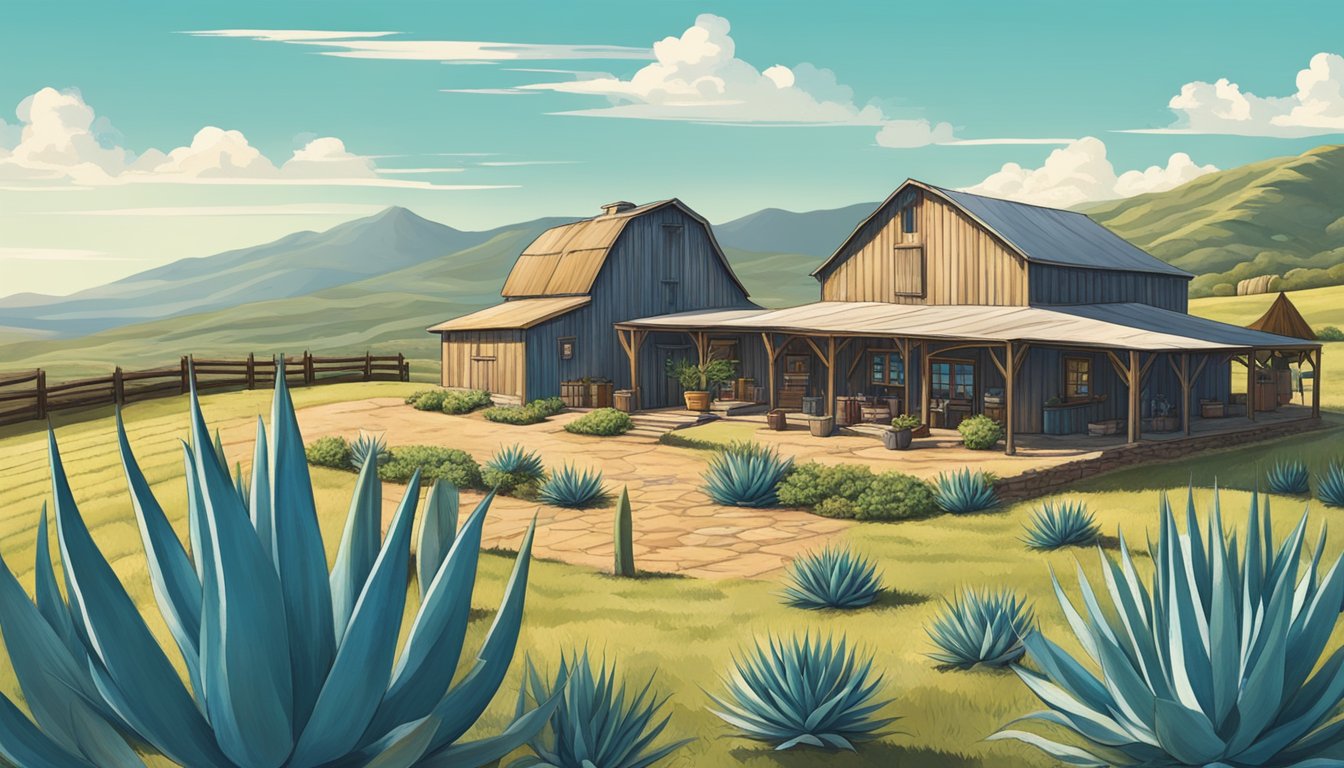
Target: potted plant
(1164,414)
(901,433)
(698,379)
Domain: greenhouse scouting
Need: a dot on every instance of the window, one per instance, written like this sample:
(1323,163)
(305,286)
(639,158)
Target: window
(907,274)
(1077,378)
(887,369)
(567,348)
(953,380)
(723,349)
(908,219)
(483,349)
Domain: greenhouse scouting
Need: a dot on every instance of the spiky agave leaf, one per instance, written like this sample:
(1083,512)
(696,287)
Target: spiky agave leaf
(963,491)
(981,627)
(100,689)
(803,690)
(517,460)
(832,578)
(1330,488)
(366,447)
(1062,524)
(594,724)
(1218,662)
(1289,477)
(746,474)
(568,487)
(438,528)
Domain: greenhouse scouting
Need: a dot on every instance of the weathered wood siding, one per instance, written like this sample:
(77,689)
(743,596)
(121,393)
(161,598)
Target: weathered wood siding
(962,263)
(663,261)
(491,360)
(1052,284)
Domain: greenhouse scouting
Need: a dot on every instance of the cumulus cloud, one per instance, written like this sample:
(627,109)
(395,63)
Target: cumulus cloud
(1316,108)
(61,142)
(697,77)
(1080,173)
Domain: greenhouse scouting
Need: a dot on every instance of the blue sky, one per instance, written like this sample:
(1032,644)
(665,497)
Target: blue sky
(311,118)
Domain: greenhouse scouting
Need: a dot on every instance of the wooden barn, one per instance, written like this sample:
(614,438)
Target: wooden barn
(573,284)
(947,304)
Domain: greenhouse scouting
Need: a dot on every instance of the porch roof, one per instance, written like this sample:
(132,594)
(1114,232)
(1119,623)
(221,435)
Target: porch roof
(1110,326)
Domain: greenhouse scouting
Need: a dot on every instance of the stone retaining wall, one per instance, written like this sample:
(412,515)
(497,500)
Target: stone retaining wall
(1039,482)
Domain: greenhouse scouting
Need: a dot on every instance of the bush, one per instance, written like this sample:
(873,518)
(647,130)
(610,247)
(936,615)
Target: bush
(832,578)
(1289,477)
(333,452)
(895,496)
(745,474)
(810,484)
(567,487)
(1330,333)
(548,405)
(984,627)
(427,399)
(513,470)
(803,691)
(963,491)
(836,506)
(1064,524)
(434,462)
(458,402)
(1219,659)
(603,421)
(1330,488)
(980,433)
(517,415)
(905,421)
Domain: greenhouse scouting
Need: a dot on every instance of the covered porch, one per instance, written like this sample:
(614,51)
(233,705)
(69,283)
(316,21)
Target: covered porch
(1102,374)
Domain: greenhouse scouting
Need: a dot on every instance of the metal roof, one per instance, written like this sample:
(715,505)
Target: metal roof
(1109,326)
(565,260)
(1038,234)
(513,315)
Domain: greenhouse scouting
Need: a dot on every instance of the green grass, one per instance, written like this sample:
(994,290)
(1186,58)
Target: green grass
(711,436)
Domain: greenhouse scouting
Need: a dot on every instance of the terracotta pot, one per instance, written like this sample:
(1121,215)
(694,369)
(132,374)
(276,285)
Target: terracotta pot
(696,401)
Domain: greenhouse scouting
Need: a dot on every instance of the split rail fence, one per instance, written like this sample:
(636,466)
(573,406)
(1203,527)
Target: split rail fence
(26,395)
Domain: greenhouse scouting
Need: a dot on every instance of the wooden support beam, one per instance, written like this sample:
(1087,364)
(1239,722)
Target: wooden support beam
(1143,370)
(817,348)
(904,346)
(768,340)
(1135,404)
(1316,386)
(1251,364)
(1022,351)
(783,346)
(1119,365)
(830,375)
(1009,405)
(1185,391)
(1001,365)
(925,382)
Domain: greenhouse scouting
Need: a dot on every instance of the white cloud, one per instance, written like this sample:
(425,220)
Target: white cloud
(62,144)
(1080,173)
(372,45)
(697,77)
(1316,108)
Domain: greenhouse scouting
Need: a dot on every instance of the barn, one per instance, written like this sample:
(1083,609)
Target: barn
(576,281)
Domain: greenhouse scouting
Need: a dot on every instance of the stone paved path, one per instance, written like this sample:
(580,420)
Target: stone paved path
(677,529)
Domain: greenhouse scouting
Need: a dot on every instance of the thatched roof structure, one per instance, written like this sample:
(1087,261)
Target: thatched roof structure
(1283,319)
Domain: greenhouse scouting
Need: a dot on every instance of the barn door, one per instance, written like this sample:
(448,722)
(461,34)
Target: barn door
(483,356)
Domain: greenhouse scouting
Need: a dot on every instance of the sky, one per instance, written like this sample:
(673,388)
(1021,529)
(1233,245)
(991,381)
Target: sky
(134,134)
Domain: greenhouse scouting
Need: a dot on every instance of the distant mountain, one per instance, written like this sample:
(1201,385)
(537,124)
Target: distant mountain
(1283,216)
(773,230)
(294,265)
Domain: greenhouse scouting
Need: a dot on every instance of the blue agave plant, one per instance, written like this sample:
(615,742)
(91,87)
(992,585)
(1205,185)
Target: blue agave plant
(1330,488)
(1220,662)
(746,474)
(803,691)
(517,460)
(981,627)
(1062,524)
(286,664)
(366,447)
(832,578)
(568,487)
(593,725)
(1289,477)
(963,491)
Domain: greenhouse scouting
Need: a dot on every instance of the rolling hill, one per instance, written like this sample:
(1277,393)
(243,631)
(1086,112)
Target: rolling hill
(1282,216)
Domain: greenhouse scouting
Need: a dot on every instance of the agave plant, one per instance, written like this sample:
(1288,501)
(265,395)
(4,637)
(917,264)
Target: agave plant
(517,460)
(286,664)
(981,627)
(593,725)
(1289,477)
(1218,663)
(832,578)
(1062,524)
(803,691)
(568,487)
(962,491)
(367,447)
(1330,488)
(746,474)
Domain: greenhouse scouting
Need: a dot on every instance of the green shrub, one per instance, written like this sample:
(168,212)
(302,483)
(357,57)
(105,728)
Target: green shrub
(896,496)
(434,462)
(980,433)
(811,484)
(905,421)
(427,399)
(1330,333)
(837,507)
(333,452)
(458,402)
(518,415)
(603,421)
(548,405)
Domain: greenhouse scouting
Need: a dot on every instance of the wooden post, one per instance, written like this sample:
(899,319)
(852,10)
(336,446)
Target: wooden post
(770,355)
(906,395)
(1009,374)
(830,375)
(925,382)
(251,370)
(41,394)
(1135,405)
(309,375)
(118,387)
(1185,391)
(186,375)
(368,365)
(1250,383)
(636,343)
(1316,386)
(403,370)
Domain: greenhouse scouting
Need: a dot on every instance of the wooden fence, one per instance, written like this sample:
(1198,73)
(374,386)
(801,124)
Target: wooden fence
(27,395)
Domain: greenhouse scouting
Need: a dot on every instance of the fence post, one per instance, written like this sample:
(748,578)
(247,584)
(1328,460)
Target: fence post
(251,371)
(186,381)
(368,365)
(309,375)
(41,394)
(118,387)
(403,370)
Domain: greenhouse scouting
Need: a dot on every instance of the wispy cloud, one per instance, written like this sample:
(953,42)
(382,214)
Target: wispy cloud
(373,45)
(492,91)
(399,171)
(510,163)
(1003,141)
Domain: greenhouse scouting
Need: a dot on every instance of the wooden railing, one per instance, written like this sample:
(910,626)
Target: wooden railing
(26,395)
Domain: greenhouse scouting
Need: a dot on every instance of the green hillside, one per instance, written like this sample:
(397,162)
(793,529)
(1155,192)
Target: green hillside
(1277,217)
